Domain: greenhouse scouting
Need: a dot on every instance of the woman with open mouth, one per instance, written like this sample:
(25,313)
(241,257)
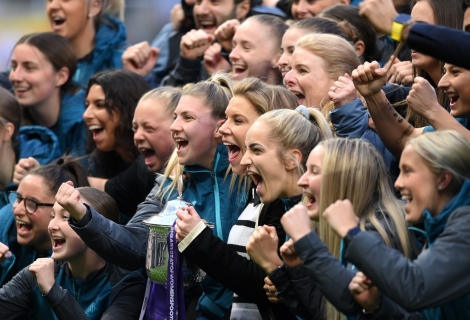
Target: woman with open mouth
(228,262)
(112,97)
(42,67)
(69,283)
(336,169)
(434,182)
(24,223)
(203,161)
(95,30)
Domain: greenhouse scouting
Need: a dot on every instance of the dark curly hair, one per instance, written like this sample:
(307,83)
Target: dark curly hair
(123,90)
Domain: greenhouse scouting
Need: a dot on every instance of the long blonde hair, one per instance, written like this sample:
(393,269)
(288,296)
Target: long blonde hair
(353,169)
(338,55)
(216,91)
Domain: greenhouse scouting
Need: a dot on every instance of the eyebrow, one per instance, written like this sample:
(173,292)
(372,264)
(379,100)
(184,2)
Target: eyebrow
(255,144)
(301,65)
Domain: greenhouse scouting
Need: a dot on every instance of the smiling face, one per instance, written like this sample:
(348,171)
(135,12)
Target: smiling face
(209,14)
(417,185)
(423,12)
(32,228)
(263,164)
(99,121)
(193,131)
(241,114)
(289,40)
(69,17)
(310,182)
(303,9)
(254,53)
(308,79)
(66,244)
(34,80)
(152,135)
(455,84)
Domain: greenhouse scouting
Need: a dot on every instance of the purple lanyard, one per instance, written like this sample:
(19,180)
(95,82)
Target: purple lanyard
(162,303)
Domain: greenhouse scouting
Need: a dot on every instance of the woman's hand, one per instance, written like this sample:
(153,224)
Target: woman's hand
(43,269)
(22,168)
(213,60)
(422,98)
(270,290)
(380,14)
(4,252)
(289,255)
(365,293)
(296,222)
(70,199)
(342,91)
(262,248)
(369,78)
(341,218)
(401,72)
(187,220)
(225,32)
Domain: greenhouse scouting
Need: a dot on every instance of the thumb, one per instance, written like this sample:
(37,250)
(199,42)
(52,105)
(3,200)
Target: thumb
(70,183)
(210,38)
(270,230)
(192,212)
(346,75)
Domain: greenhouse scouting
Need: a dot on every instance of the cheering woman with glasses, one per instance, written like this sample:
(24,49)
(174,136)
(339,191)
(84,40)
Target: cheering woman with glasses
(24,236)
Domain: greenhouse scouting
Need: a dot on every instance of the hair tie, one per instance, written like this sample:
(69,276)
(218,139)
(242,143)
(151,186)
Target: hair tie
(303,111)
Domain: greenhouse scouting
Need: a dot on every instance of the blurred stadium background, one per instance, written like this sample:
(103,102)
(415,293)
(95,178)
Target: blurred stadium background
(143,19)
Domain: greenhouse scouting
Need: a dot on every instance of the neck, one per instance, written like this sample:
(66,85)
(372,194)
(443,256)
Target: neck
(293,188)
(84,42)
(7,154)
(86,263)
(47,113)
(442,200)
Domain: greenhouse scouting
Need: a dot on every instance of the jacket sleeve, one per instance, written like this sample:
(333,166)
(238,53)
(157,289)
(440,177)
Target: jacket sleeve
(327,272)
(186,71)
(15,296)
(124,246)
(127,298)
(350,120)
(435,41)
(217,259)
(64,304)
(437,276)
(296,290)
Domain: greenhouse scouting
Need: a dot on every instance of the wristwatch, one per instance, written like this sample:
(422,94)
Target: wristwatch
(400,22)
(350,235)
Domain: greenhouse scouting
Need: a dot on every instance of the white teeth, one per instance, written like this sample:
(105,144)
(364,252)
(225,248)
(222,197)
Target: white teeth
(21,222)
(206,23)
(21,89)
(249,173)
(228,144)
(406,198)
(95,127)
(180,140)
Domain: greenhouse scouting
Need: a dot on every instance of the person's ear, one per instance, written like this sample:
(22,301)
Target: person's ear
(293,159)
(242,9)
(62,76)
(95,8)
(359,47)
(220,122)
(7,131)
(444,180)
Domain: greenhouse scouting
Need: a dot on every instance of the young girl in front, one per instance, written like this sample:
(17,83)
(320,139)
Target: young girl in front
(75,282)
(203,160)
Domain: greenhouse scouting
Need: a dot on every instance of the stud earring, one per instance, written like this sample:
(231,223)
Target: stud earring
(439,188)
(287,167)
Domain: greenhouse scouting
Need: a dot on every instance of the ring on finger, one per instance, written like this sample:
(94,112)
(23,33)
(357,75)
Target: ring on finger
(334,88)
(269,290)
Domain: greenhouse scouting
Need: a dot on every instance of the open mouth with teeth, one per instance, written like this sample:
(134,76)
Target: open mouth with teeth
(96,131)
(453,99)
(23,227)
(237,71)
(310,200)
(181,144)
(300,97)
(20,90)
(148,155)
(57,21)
(233,151)
(257,180)
(207,25)
(57,243)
